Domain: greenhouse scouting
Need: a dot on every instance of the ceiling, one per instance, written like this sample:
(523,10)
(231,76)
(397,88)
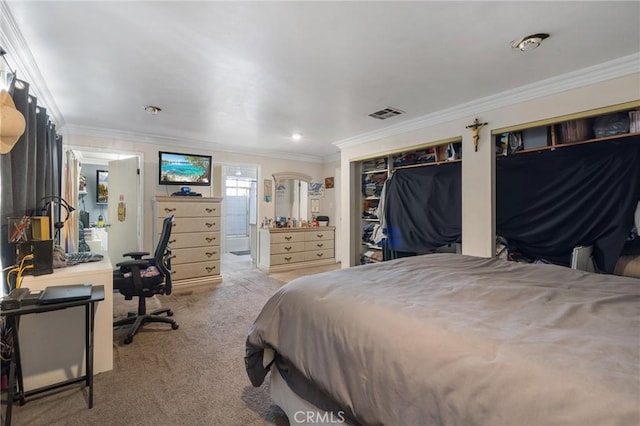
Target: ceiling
(245,76)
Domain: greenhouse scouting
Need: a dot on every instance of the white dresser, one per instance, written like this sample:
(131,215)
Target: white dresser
(195,237)
(292,248)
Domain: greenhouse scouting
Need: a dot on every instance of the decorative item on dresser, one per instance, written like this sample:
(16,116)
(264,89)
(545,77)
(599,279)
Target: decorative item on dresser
(195,239)
(292,248)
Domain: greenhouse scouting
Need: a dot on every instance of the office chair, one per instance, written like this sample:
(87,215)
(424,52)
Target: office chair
(143,278)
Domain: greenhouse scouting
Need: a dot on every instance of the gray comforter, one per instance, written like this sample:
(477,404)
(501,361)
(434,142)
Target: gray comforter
(458,340)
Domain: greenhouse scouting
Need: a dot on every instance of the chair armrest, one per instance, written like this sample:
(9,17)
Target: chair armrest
(136,254)
(128,264)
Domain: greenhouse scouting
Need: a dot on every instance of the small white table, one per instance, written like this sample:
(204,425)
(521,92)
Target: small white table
(61,331)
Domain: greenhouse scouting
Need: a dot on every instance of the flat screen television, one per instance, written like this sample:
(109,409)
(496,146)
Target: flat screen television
(184,169)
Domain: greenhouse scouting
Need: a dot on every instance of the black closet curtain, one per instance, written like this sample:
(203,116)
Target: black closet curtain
(32,169)
(423,208)
(551,201)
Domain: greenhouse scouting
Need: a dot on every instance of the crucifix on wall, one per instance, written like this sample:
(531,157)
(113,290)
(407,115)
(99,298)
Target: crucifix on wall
(475,128)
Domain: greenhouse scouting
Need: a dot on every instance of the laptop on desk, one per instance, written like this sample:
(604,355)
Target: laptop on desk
(65,293)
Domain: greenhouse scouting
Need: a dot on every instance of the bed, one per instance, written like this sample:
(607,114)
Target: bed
(448,339)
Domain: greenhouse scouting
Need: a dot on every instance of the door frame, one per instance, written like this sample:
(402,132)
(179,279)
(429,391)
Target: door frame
(103,156)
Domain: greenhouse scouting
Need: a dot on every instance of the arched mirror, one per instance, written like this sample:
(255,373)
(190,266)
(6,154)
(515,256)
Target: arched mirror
(291,196)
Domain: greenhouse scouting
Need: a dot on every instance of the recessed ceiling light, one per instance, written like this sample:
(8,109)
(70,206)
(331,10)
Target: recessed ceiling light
(296,136)
(152,109)
(529,42)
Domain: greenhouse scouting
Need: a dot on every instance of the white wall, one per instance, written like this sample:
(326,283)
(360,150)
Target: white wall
(149,151)
(478,168)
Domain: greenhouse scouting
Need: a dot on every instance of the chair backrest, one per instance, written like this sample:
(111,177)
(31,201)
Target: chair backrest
(162,254)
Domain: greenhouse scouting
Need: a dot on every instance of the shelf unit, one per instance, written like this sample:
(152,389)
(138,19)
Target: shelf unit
(592,126)
(374,171)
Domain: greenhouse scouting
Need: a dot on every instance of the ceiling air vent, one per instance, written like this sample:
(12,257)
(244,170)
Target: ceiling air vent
(388,112)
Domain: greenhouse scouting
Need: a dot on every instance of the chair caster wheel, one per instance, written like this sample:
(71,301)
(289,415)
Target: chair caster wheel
(169,313)
(128,340)
(174,326)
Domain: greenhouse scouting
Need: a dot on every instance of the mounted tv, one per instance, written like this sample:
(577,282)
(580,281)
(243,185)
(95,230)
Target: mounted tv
(184,169)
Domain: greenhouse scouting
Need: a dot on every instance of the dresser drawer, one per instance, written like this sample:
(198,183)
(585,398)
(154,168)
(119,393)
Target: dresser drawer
(318,234)
(287,237)
(194,239)
(318,254)
(195,254)
(195,270)
(287,247)
(282,259)
(318,245)
(189,209)
(193,224)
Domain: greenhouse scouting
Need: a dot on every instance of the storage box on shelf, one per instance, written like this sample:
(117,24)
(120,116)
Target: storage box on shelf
(195,237)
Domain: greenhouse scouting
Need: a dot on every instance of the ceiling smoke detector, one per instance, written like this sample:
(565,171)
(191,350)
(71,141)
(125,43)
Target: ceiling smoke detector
(529,42)
(151,109)
(388,112)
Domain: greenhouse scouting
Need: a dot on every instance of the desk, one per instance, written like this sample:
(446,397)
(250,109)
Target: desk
(18,393)
(62,330)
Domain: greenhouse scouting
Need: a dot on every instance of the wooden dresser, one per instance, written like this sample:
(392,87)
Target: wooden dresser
(195,237)
(292,248)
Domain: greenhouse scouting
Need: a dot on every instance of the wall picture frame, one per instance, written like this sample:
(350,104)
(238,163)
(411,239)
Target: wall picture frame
(102,186)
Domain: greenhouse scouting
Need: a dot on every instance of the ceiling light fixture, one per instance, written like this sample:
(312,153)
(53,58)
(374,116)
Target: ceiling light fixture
(151,109)
(296,136)
(529,42)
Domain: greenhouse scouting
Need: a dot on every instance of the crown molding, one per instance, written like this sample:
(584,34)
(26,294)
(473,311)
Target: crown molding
(163,141)
(620,67)
(19,55)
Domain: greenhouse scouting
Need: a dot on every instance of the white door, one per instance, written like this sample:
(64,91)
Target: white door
(124,191)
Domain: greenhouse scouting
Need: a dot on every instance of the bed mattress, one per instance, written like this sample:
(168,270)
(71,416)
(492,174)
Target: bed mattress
(447,339)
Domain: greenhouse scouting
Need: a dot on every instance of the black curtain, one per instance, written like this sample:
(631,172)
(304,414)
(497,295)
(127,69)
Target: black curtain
(423,208)
(31,170)
(551,201)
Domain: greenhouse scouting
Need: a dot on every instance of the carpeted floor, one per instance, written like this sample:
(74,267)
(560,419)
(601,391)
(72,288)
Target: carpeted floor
(191,376)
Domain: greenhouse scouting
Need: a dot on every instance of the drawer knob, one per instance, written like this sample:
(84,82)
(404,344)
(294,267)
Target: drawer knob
(209,210)
(288,237)
(319,235)
(288,248)
(209,254)
(210,268)
(209,239)
(319,254)
(319,245)
(172,241)
(209,225)
(168,210)
(288,259)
